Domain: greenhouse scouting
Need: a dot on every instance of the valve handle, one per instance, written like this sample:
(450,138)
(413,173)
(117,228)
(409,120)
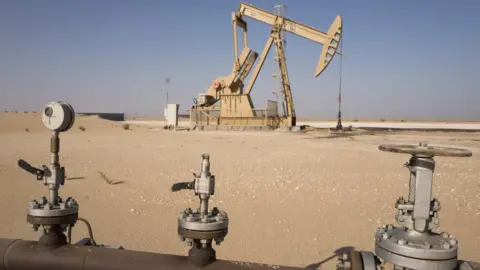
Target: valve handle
(182,185)
(29,168)
(425,150)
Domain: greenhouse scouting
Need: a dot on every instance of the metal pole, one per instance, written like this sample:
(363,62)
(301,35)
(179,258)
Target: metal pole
(55,159)
(339,122)
(167,81)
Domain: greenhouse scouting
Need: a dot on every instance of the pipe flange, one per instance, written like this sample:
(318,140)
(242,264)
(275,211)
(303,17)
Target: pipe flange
(358,260)
(215,220)
(46,221)
(43,208)
(350,260)
(345,262)
(405,247)
(414,263)
(209,236)
(423,149)
(213,226)
(409,243)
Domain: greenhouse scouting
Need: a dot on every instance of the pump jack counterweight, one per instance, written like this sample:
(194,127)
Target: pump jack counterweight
(235,104)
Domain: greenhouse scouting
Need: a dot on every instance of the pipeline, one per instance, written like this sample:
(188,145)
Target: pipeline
(25,255)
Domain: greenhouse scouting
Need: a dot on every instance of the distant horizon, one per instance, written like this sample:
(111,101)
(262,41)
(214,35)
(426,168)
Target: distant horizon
(301,118)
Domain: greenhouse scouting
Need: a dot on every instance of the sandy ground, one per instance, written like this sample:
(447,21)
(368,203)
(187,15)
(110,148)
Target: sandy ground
(293,198)
(396,125)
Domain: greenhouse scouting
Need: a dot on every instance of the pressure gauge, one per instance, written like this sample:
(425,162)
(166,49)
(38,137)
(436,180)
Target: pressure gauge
(58,116)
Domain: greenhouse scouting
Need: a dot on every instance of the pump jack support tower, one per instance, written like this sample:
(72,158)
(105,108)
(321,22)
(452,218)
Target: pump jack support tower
(236,106)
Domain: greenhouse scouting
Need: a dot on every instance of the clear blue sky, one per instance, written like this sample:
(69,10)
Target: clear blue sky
(404,59)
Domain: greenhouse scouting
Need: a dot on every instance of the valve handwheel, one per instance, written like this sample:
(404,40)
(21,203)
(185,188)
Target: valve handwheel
(423,149)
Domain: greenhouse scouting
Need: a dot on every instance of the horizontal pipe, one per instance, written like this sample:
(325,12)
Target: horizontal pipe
(24,255)
(4,244)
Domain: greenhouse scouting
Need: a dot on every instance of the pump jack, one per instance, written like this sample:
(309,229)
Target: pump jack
(236,106)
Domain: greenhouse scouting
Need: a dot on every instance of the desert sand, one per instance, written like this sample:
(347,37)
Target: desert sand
(293,198)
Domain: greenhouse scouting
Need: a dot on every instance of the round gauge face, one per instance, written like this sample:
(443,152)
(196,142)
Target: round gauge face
(58,116)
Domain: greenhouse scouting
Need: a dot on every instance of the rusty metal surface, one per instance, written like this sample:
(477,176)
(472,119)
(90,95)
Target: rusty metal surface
(24,255)
(4,245)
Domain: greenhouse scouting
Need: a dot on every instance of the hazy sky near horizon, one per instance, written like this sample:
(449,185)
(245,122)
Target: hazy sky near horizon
(403,59)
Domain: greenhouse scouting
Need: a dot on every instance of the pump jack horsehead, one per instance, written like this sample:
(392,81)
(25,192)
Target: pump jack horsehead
(236,106)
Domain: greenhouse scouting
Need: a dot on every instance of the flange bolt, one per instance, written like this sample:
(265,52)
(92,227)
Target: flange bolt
(33,204)
(402,242)
(35,227)
(72,203)
(453,242)
(43,200)
(47,206)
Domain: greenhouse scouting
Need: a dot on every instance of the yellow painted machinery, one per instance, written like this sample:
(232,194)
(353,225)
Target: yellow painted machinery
(227,101)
